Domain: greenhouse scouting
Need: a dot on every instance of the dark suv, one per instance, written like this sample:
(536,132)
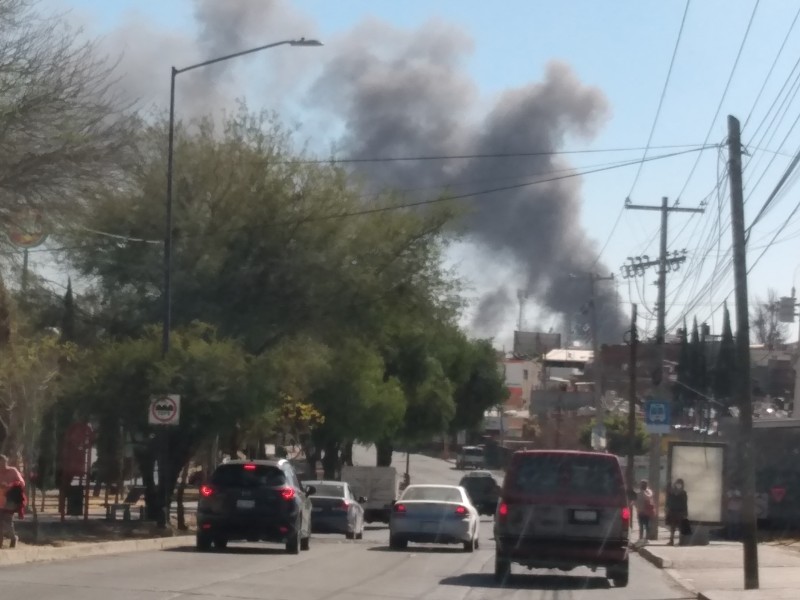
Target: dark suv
(259,500)
(563,509)
(482,489)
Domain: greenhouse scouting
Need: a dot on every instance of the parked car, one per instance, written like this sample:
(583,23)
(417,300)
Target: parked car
(471,456)
(437,514)
(336,510)
(259,500)
(483,491)
(563,509)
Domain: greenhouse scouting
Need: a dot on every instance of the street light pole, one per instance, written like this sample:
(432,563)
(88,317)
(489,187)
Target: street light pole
(167,293)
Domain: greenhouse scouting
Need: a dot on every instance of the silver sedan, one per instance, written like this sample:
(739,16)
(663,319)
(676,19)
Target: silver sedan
(437,514)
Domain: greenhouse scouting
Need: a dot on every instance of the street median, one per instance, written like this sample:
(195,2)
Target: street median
(31,554)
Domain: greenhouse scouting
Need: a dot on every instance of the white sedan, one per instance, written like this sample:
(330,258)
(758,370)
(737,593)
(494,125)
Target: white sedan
(437,514)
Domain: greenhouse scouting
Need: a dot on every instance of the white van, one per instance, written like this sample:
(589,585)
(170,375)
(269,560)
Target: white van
(471,456)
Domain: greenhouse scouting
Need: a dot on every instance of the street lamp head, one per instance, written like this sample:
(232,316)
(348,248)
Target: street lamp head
(305,42)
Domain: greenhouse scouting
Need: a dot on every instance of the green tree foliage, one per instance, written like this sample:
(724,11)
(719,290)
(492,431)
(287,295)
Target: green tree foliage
(214,377)
(618,439)
(725,367)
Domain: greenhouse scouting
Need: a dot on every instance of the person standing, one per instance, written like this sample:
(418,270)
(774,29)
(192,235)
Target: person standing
(645,509)
(677,508)
(11,482)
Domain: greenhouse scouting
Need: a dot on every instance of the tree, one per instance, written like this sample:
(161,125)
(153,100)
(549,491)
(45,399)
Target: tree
(213,376)
(765,324)
(68,332)
(725,367)
(618,439)
(65,133)
(698,368)
(264,248)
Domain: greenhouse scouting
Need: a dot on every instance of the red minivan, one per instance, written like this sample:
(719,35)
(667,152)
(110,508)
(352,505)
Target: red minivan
(562,509)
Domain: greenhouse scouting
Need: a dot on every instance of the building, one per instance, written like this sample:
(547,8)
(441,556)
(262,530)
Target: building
(531,344)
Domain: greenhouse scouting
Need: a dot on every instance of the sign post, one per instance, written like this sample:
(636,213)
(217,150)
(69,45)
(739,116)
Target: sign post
(164,411)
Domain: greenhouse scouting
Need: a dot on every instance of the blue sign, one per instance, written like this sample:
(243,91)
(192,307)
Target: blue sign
(656,416)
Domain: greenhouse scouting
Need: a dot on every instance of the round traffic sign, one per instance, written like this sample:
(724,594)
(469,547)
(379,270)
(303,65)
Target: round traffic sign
(27,229)
(164,409)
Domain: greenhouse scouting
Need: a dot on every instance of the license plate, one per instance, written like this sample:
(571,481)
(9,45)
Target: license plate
(245,504)
(585,516)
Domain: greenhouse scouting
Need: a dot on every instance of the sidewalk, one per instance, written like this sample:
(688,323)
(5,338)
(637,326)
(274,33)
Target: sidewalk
(715,571)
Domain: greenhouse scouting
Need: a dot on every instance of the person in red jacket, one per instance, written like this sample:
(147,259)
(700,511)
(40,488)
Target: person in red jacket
(11,499)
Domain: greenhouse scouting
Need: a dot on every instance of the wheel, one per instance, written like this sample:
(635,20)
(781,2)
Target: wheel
(305,543)
(477,544)
(293,544)
(618,575)
(470,545)
(350,535)
(220,543)
(360,535)
(203,543)
(396,543)
(502,569)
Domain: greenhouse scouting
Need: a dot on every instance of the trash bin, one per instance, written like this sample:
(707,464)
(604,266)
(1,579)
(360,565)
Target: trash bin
(75,501)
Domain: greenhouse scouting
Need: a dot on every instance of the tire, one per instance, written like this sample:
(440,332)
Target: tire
(350,535)
(305,543)
(360,535)
(470,545)
(502,569)
(293,544)
(619,575)
(220,543)
(396,543)
(203,543)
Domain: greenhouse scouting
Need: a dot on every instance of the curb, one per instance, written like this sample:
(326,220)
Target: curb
(33,554)
(661,563)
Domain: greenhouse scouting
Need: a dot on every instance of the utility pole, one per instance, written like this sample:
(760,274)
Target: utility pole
(632,372)
(599,381)
(664,264)
(750,541)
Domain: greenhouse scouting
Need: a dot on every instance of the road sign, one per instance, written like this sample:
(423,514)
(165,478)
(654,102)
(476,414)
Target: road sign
(164,410)
(599,437)
(26,229)
(657,416)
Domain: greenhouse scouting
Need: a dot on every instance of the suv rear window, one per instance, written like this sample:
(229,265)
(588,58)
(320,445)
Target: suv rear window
(570,474)
(246,476)
(473,452)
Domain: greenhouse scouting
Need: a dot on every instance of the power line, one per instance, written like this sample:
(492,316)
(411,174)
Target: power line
(661,100)
(724,95)
(418,203)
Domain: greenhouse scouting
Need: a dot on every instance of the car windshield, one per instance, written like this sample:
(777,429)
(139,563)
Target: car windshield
(248,476)
(433,494)
(551,473)
(331,490)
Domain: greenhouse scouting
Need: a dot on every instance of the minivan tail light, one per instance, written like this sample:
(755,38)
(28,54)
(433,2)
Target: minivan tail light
(287,493)
(502,511)
(626,516)
(206,491)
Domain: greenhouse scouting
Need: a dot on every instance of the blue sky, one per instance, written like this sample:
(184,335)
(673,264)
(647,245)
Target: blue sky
(621,47)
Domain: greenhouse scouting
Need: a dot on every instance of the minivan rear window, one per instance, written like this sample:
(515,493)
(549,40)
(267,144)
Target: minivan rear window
(566,474)
(249,477)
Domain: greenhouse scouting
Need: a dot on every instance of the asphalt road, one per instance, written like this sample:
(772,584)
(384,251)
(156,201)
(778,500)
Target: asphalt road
(334,569)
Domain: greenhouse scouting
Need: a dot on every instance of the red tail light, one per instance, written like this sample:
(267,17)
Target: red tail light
(502,511)
(343,507)
(626,516)
(461,511)
(206,491)
(400,508)
(249,467)
(287,493)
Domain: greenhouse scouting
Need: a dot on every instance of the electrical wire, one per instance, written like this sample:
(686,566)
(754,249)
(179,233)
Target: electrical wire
(661,99)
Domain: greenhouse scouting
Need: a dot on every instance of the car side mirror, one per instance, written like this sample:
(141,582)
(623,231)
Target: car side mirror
(310,490)
(361,499)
